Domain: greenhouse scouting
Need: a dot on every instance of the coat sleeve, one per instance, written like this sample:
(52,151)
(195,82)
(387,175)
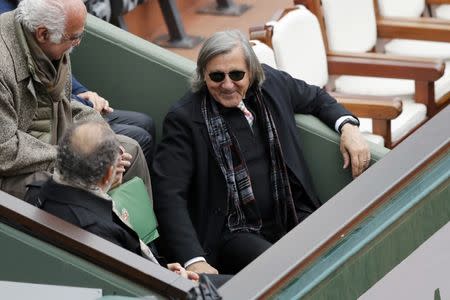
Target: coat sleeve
(20,153)
(173,171)
(81,112)
(305,98)
(77,87)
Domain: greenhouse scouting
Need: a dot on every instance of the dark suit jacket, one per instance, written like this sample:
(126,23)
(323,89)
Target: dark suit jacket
(78,88)
(189,189)
(89,212)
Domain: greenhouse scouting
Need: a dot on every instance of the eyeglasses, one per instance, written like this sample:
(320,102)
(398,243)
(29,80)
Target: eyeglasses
(234,75)
(73,39)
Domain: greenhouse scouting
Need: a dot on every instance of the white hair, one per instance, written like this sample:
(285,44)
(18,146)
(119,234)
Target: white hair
(48,13)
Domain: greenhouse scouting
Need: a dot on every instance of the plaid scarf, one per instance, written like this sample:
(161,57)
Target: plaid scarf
(243,214)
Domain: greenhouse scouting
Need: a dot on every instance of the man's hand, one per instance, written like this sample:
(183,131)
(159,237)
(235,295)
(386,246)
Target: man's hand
(100,104)
(202,267)
(118,177)
(123,162)
(354,149)
(177,268)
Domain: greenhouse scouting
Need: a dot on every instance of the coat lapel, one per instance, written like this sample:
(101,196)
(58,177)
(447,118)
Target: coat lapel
(287,129)
(8,33)
(197,117)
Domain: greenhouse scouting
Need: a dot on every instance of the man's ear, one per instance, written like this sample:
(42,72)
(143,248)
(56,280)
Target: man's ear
(109,175)
(41,34)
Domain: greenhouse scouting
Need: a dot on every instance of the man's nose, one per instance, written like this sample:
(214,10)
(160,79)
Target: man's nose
(227,83)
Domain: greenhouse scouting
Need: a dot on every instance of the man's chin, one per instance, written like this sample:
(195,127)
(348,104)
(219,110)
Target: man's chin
(68,51)
(55,58)
(230,101)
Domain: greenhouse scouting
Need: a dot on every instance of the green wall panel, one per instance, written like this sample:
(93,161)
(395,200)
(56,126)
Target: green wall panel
(27,259)
(130,72)
(320,147)
(381,242)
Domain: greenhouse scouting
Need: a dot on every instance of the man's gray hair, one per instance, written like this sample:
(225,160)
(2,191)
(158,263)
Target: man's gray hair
(224,42)
(86,152)
(49,13)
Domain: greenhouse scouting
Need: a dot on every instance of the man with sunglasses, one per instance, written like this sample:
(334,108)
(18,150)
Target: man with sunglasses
(229,175)
(35,106)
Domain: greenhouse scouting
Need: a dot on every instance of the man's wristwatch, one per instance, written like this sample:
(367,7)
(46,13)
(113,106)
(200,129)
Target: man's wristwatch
(352,121)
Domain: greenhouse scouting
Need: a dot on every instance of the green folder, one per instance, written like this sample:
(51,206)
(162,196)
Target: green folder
(133,197)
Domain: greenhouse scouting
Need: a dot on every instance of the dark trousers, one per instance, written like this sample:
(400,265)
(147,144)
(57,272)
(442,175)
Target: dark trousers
(7,5)
(137,126)
(237,250)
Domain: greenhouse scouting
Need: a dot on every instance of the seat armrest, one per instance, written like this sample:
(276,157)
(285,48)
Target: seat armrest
(382,108)
(423,71)
(382,65)
(261,33)
(430,29)
(438,1)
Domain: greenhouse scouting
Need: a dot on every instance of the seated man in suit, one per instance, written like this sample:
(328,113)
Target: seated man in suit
(85,169)
(229,175)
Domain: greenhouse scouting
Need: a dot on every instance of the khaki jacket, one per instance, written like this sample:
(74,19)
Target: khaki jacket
(22,156)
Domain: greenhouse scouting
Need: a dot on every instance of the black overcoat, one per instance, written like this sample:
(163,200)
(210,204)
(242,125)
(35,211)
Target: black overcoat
(189,189)
(88,211)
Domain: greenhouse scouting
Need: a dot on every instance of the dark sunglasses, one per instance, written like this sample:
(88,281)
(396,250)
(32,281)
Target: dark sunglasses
(220,76)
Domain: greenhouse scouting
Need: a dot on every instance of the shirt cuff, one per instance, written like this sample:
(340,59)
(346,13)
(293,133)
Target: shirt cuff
(194,260)
(342,119)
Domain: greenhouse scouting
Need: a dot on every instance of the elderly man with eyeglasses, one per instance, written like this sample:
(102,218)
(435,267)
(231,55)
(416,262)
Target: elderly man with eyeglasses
(229,175)
(135,125)
(35,86)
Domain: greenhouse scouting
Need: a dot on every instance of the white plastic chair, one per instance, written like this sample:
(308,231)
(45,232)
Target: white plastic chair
(411,9)
(299,50)
(345,36)
(401,8)
(264,53)
(442,11)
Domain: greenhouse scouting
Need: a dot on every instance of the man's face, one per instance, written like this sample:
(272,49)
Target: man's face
(227,91)
(70,39)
